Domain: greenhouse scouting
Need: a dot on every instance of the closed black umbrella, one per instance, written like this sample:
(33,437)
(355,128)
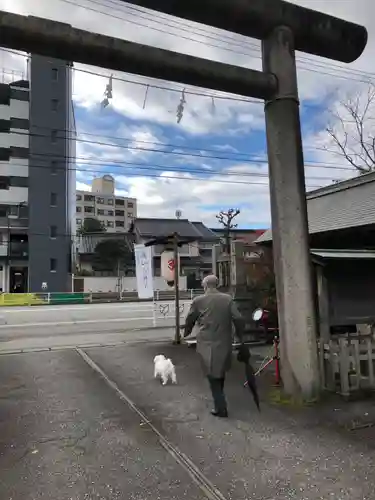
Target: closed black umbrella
(243,356)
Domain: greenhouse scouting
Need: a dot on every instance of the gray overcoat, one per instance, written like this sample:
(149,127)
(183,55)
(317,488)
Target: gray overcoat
(214,315)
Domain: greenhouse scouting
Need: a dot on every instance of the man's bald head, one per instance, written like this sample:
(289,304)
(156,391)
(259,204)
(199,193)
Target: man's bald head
(210,282)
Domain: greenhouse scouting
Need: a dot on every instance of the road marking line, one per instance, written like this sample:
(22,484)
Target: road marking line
(62,308)
(28,350)
(79,322)
(209,490)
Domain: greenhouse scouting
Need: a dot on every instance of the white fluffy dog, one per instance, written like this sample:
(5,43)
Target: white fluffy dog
(164,369)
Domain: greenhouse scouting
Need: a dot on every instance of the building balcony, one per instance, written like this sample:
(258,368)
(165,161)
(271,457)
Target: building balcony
(12,222)
(18,250)
(189,250)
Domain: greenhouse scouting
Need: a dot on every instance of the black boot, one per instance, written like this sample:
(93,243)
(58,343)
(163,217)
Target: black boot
(217,389)
(220,414)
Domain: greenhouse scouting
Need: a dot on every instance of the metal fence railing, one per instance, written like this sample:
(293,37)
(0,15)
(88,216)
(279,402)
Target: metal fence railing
(47,298)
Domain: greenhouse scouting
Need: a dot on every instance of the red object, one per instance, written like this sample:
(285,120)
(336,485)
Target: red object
(171,264)
(265,315)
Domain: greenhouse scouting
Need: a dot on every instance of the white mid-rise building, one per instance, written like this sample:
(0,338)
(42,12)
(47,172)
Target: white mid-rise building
(116,213)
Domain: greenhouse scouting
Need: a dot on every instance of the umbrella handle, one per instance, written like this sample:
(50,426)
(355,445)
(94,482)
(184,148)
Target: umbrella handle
(275,358)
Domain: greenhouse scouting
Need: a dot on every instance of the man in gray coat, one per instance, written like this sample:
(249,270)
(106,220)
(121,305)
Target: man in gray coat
(214,315)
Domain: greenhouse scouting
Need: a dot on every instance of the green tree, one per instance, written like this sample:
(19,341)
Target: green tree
(91,225)
(113,255)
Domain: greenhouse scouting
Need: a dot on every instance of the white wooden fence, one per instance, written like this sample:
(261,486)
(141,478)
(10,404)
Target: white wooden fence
(347,363)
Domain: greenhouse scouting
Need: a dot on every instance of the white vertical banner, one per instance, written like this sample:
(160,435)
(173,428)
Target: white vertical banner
(143,271)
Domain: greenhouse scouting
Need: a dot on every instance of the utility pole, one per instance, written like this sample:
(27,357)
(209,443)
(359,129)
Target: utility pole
(226,219)
(172,242)
(176,289)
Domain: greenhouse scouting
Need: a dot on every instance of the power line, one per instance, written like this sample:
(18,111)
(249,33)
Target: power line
(180,25)
(252,158)
(256,160)
(161,169)
(113,16)
(221,35)
(226,97)
(146,84)
(301,59)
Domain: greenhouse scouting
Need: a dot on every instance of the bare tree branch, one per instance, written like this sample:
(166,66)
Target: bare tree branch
(351,135)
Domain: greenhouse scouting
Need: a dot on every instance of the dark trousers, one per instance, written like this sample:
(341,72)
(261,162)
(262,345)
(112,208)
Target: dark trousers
(217,389)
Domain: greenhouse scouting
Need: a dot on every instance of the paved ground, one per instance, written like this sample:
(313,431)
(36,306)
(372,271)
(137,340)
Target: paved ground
(71,325)
(64,435)
(68,433)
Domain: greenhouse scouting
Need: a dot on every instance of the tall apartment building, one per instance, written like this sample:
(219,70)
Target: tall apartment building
(116,213)
(37,179)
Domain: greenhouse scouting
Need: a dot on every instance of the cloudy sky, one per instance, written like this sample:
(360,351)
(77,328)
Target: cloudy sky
(215,158)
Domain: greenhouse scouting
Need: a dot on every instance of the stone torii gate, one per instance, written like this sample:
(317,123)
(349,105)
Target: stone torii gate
(283,28)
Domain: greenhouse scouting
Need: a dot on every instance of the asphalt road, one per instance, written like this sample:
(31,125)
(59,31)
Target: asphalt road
(93,324)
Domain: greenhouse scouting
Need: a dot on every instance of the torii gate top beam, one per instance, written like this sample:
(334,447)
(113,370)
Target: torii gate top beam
(62,41)
(314,32)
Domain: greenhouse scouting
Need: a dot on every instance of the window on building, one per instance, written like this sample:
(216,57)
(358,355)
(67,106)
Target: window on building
(120,213)
(53,265)
(130,215)
(110,223)
(13,210)
(19,94)
(54,104)
(89,210)
(100,201)
(16,152)
(120,202)
(78,209)
(4,154)
(120,223)
(110,213)
(100,211)
(110,201)
(4,94)
(20,123)
(53,231)
(55,74)
(18,181)
(53,199)
(130,204)
(4,126)
(4,183)
(54,136)
(89,197)
(53,167)
(78,197)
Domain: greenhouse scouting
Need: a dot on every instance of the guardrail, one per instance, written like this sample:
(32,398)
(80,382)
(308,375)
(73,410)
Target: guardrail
(37,299)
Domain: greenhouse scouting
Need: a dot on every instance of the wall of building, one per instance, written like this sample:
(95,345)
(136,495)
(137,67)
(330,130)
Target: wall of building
(14,179)
(50,181)
(96,284)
